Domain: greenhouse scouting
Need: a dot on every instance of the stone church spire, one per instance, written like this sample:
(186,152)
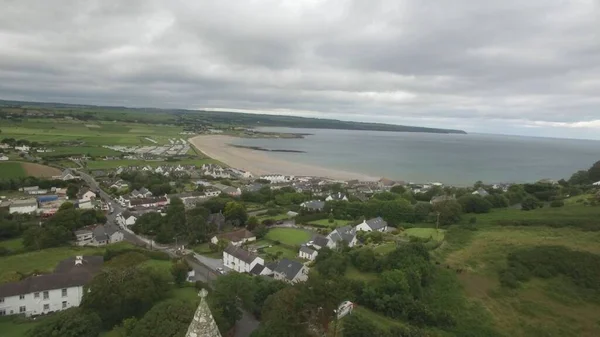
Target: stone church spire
(203,324)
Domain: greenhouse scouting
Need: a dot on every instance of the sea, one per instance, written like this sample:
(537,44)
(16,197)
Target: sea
(452,159)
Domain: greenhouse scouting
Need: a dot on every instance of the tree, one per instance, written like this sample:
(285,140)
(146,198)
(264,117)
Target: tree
(167,319)
(398,189)
(231,292)
(356,325)
(72,191)
(252,223)
(330,263)
(119,293)
(449,212)
(73,322)
(41,237)
(474,204)
(235,211)
(580,178)
(594,172)
(198,230)
(179,270)
(331,218)
(530,203)
(260,231)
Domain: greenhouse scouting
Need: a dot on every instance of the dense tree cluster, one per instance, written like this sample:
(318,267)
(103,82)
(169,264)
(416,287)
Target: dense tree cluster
(119,293)
(74,322)
(170,318)
(178,224)
(583,268)
(15,183)
(58,230)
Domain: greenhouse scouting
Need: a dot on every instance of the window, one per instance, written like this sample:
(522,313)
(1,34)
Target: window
(36,295)
(64,292)
(2,312)
(46,295)
(22,309)
(64,304)
(46,306)
(1,299)
(21,297)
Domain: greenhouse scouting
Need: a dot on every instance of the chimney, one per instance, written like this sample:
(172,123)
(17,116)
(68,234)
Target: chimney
(78,259)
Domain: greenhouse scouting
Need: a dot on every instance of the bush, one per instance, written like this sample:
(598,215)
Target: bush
(530,203)
(557,203)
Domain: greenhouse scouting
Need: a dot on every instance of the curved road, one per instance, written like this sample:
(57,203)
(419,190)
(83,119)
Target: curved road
(204,267)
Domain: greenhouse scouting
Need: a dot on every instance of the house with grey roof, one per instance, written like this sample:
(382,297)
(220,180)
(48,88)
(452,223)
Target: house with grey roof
(372,225)
(290,271)
(319,241)
(47,293)
(314,205)
(98,235)
(481,192)
(343,235)
(308,253)
(240,260)
(337,197)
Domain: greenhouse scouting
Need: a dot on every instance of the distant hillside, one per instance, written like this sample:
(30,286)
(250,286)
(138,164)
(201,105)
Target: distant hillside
(186,117)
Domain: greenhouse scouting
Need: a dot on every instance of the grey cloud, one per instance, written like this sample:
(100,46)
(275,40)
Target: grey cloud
(396,61)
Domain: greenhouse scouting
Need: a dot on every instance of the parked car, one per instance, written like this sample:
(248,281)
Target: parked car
(220,271)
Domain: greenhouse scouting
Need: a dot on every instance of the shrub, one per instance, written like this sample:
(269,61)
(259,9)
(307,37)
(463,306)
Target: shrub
(557,203)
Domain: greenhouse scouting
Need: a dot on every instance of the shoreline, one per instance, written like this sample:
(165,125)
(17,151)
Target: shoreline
(259,163)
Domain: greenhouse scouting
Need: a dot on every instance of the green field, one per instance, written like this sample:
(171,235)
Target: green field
(11,170)
(288,236)
(13,245)
(15,326)
(426,233)
(549,307)
(285,252)
(336,223)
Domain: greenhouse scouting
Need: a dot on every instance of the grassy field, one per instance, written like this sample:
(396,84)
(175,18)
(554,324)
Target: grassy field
(13,245)
(15,326)
(552,307)
(285,252)
(204,249)
(273,217)
(11,170)
(336,223)
(289,236)
(426,233)
(43,261)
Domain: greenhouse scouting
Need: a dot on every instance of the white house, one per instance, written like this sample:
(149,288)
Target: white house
(85,204)
(337,197)
(308,253)
(126,219)
(290,271)
(3,158)
(23,206)
(67,174)
(210,193)
(236,238)
(240,260)
(277,178)
(341,235)
(119,184)
(481,192)
(98,236)
(319,241)
(46,293)
(23,148)
(375,224)
(89,195)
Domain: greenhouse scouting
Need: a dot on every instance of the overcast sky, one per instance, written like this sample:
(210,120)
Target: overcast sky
(496,66)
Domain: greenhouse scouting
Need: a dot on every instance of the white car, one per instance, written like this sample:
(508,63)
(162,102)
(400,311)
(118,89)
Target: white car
(220,271)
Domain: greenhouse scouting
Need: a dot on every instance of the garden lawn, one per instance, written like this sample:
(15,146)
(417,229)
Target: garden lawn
(15,326)
(285,252)
(272,217)
(336,223)
(204,249)
(426,233)
(288,236)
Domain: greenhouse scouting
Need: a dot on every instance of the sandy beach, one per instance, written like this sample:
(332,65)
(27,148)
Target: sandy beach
(260,163)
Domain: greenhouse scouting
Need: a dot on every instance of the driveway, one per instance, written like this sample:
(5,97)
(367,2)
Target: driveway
(209,262)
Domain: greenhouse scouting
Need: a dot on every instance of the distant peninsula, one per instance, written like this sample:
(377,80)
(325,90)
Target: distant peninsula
(258,148)
(197,119)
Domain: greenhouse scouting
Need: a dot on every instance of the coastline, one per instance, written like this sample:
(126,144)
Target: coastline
(259,163)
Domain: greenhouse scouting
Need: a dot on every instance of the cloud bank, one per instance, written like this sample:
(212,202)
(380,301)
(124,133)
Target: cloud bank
(506,66)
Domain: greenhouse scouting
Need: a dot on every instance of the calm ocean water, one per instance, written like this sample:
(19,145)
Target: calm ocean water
(423,157)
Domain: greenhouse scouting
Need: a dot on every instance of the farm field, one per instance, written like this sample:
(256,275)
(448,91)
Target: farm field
(11,170)
(16,169)
(288,236)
